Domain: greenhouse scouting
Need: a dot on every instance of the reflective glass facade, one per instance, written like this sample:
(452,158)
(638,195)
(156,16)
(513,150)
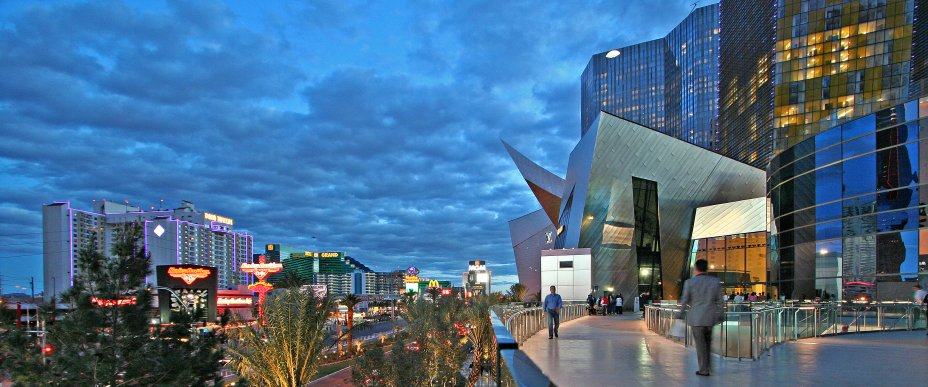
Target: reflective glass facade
(647,240)
(669,84)
(745,91)
(739,260)
(837,59)
(850,210)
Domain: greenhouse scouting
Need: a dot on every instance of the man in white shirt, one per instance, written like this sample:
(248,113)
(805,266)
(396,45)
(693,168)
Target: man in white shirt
(921,296)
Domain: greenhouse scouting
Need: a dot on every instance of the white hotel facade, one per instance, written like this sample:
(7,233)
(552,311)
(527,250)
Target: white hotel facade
(182,235)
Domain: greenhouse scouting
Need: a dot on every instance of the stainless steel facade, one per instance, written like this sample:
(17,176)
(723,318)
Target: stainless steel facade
(530,234)
(598,209)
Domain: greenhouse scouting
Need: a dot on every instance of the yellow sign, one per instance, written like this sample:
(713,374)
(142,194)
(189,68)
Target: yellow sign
(217,218)
(434,284)
(411,279)
(329,254)
(269,247)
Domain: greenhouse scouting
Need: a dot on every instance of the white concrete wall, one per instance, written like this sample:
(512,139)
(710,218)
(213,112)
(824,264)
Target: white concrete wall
(573,284)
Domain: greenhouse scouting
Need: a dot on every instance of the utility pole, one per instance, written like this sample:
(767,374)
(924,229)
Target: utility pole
(34,304)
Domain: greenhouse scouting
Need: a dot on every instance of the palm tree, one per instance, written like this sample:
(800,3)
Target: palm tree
(350,301)
(517,292)
(408,296)
(285,350)
(434,292)
(480,335)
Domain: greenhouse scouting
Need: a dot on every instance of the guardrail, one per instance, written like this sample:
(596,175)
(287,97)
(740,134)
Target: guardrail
(749,330)
(529,321)
(514,367)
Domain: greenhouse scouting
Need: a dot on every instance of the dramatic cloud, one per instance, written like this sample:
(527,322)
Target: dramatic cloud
(372,129)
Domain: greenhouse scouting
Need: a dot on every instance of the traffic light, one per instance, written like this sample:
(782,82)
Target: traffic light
(48,350)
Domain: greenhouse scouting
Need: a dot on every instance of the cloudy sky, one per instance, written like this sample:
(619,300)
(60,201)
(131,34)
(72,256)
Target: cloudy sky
(373,127)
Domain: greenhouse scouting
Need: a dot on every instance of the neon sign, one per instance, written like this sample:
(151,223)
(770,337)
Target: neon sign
(188,274)
(434,284)
(329,255)
(233,302)
(112,302)
(217,218)
(261,270)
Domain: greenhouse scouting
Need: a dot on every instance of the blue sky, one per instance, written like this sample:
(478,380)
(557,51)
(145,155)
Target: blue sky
(373,127)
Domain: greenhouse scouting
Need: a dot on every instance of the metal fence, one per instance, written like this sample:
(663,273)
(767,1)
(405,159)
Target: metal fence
(749,330)
(529,321)
(512,325)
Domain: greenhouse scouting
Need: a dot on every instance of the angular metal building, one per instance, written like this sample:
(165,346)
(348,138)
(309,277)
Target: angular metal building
(530,234)
(630,196)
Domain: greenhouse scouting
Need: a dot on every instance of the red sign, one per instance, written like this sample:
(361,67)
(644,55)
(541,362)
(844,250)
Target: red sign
(261,269)
(112,302)
(188,274)
(261,287)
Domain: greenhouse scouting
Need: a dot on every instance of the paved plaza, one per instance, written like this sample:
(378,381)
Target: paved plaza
(608,350)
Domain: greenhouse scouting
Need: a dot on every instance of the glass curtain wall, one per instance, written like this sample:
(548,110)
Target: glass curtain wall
(838,59)
(739,260)
(647,237)
(849,204)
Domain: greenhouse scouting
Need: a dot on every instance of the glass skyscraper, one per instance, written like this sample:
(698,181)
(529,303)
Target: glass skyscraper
(849,207)
(837,60)
(745,88)
(669,84)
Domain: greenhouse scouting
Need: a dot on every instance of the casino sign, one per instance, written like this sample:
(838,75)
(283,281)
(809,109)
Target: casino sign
(186,288)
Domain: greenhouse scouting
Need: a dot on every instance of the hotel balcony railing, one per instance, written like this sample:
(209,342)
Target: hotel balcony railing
(750,329)
(518,323)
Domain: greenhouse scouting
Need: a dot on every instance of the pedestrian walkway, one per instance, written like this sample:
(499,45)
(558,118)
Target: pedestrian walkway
(609,350)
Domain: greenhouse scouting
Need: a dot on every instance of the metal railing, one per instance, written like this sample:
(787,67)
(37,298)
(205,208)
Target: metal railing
(529,321)
(519,322)
(749,330)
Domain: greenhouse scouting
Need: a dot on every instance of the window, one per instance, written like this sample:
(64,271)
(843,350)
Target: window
(566,264)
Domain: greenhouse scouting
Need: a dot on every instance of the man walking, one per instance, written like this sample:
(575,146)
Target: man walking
(703,295)
(552,306)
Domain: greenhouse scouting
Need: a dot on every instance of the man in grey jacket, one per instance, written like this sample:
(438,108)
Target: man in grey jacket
(702,300)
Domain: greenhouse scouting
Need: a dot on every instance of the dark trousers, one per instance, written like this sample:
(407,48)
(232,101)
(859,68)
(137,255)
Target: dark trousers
(702,336)
(554,321)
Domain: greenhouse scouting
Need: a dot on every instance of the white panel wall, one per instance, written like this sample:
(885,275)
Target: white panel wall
(573,284)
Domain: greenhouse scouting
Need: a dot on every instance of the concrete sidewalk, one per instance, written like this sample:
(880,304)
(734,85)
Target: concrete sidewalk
(610,350)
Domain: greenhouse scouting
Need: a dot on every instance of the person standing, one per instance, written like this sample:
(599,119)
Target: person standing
(921,298)
(703,295)
(592,303)
(553,304)
(619,303)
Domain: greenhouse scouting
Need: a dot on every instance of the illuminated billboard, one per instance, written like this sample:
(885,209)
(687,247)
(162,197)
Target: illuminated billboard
(189,288)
